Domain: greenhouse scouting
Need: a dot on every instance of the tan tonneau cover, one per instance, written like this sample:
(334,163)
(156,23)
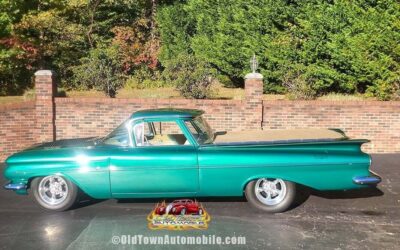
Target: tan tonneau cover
(278,135)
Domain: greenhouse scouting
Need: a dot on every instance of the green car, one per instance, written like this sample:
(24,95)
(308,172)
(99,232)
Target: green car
(166,153)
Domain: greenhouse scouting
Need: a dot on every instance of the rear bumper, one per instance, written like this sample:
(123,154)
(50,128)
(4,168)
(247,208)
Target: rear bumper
(15,186)
(372,179)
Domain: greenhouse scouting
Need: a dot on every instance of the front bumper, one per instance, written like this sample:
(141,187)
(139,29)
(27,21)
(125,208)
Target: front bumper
(15,186)
(372,179)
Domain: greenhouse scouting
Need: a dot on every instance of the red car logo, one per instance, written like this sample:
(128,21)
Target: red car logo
(180,207)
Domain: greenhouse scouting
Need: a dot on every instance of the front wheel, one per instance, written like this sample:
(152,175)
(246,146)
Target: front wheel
(271,195)
(54,192)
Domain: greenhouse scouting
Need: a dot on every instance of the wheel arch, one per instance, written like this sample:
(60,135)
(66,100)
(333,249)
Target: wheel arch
(93,184)
(256,177)
(68,177)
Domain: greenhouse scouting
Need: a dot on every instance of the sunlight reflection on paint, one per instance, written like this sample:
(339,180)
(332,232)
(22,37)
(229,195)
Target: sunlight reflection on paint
(83,162)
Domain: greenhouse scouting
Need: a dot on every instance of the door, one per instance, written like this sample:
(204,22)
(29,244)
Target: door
(162,162)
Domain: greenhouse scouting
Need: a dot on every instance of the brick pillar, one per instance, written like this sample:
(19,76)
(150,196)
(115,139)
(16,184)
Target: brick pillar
(45,88)
(253,86)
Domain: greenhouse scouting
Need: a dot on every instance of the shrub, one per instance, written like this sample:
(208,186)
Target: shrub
(191,76)
(101,70)
(344,46)
(298,85)
(384,90)
(144,77)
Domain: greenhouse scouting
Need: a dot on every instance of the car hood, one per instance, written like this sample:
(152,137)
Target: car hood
(59,150)
(66,143)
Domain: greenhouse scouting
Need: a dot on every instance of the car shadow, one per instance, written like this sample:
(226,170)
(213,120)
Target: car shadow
(301,197)
(306,192)
(349,194)
(200,199)
(85,200)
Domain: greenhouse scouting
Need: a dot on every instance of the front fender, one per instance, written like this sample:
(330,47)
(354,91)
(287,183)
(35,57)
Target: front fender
(93,179)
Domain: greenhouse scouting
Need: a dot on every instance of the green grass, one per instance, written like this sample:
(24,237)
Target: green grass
(218,92)
(13,99)
(342,97)
(273,97)
(328,97)
(129,93)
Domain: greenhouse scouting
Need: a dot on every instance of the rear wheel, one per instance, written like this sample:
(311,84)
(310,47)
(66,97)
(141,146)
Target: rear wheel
(271,195)
(54,192)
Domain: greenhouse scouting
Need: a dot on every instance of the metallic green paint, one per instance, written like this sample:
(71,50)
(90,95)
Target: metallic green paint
(105,171)
(167,113)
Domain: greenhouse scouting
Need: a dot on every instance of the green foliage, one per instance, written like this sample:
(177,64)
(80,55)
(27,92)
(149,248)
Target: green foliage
(14,67)
(145,77)
(298,84)
(191,76)
(176,29)
(340,46)
(59,43)
(305,48)
(14,77)
(56,34)
(101,70)
(384,90)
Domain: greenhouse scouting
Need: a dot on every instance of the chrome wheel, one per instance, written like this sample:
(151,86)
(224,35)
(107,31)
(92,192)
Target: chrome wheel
(270,191)
(53,190)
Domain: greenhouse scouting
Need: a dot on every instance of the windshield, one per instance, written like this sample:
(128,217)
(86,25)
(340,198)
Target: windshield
(118,137)
(200,130)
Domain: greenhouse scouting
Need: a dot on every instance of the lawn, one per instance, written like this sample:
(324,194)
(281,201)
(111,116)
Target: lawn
(218,92)
(13,99)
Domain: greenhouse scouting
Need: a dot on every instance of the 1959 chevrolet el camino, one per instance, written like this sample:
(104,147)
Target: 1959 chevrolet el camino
(174,153)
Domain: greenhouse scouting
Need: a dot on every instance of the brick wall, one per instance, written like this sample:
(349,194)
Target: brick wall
(373,120)
(45,88)
(86,117)
(49,118)
(253,104)
(17,127)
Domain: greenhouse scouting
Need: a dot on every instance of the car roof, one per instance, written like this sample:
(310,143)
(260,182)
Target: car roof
(167,113)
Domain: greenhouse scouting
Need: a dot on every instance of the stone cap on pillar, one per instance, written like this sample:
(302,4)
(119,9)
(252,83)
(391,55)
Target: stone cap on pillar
(44,73)
(253,76)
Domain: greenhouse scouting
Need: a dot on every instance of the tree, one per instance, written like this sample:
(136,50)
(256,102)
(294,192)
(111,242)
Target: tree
(313,47)
(341,46)
(191,76)
(15,55)
(100,70)
(58,34)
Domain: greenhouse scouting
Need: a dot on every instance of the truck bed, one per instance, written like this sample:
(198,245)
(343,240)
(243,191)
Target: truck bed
(279,136)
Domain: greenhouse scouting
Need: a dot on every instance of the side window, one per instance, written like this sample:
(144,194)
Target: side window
(163,133)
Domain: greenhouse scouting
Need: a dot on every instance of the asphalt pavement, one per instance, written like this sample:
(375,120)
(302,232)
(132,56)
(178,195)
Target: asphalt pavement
(362,219)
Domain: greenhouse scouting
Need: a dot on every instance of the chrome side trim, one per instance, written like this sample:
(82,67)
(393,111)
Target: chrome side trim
(367,180)
(15,186)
